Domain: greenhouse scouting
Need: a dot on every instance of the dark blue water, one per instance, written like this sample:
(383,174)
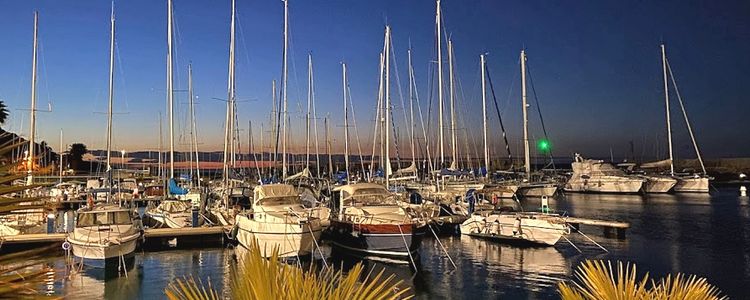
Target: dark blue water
(696,234)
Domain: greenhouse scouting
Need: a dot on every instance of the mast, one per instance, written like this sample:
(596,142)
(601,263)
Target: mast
(60,155)
(170,94)
(387,129)
(484,117)
(666,104)
(309,107)
(193,129)
(284,84)
(346,123)
(229,128)
(161,139)
(111,90)
(32,133)
(454,149)
(526,154)
(274,124)
(411,111)
(328,148)
(440,82)
(315,121)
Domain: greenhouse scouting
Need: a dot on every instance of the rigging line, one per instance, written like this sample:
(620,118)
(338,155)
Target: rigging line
(687,122)
(465,111)
(539,110)
(500,118)
(122,76)
(421,119)
(356,131)
(398,82)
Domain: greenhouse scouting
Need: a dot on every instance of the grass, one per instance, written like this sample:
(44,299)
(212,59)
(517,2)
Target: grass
(597,280)
(256,277)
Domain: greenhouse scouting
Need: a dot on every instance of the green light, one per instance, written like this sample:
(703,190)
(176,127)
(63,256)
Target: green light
(543,145)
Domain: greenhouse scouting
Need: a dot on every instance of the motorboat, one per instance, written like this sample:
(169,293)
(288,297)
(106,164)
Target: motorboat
(695,183)
(367,219)
(105,234)
(597,176)
(278,220)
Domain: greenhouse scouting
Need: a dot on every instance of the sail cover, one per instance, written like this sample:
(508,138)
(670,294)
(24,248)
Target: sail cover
(657,164)
(175,189)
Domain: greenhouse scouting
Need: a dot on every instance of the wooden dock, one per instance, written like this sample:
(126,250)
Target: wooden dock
(152,236)
(619,227)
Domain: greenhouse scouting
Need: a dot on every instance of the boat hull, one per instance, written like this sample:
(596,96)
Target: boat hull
(537,191)
(514,229)
(604,185)
(291,239)
(692,185)
(387,240)
(655,184)
(102,255)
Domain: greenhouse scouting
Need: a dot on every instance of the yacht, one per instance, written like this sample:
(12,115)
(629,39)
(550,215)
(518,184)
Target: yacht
(367,219)
(104,235)
(596,176)
(278,220)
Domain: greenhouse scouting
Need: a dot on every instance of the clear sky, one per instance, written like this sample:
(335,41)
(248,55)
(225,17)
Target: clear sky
(596,67)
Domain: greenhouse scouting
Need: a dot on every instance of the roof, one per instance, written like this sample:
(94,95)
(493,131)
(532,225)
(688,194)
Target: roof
(274,190)
(352,189)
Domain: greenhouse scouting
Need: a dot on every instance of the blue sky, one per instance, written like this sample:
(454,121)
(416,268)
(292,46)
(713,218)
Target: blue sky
(596,67)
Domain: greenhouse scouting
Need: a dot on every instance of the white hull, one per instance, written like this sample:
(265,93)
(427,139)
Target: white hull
(605,184)
(658,184)
(179,220)
(103,250)
(291,239)
(535,228)
(691,185)
(537,190)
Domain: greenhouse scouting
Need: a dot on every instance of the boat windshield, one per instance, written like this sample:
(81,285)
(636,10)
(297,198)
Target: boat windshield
(104,218)
(284,200)
(371,197)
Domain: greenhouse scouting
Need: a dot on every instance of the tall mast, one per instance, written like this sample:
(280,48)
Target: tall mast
(666,104)
(411,111)
(229,129)
(111,88)
(387,129)
(284,84)
(484,116)
(309,107)
(274,123)
(526,154)
(170,90)
(161,140)
(440,81)
(346,123)
(454,149)
(32,146)
(315,121)
(328,148)
(193,129)
(60,155)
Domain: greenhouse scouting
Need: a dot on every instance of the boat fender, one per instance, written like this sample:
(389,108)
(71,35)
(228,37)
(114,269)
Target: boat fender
(66,246)
(517,226)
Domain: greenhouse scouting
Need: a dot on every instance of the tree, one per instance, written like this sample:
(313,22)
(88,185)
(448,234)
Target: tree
(77,151)
(3,112)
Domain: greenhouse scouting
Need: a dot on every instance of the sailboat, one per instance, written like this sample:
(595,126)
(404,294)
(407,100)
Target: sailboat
(175,210)
(534,228)
(686,183)
(530,187)
(105,235)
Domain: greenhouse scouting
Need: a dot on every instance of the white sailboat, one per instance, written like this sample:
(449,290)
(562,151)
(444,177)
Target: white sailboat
(524,227)
(105,235)
(175,210)
(528,187)
(690,183)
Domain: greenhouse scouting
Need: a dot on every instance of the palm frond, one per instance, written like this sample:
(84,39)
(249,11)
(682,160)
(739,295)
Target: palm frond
(270,278)
(596,280)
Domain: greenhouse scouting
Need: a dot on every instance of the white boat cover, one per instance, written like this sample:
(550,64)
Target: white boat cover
(273,191)
(304,174)
(411,169)
(657,164)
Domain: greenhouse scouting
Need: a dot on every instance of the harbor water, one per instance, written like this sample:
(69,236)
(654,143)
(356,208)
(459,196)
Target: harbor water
(706,235)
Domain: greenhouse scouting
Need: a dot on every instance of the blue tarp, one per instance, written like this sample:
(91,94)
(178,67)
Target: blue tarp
(175,189)
(448,172)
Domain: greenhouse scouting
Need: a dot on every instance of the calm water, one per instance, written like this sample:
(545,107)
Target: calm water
(697,234)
